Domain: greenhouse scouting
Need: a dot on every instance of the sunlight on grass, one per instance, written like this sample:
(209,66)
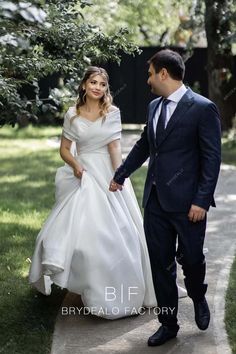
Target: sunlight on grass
(30,144)
(29,132)
(27,174)
(13,179)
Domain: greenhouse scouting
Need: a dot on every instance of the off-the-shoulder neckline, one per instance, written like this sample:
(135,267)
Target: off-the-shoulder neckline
(94,121)
(90,121)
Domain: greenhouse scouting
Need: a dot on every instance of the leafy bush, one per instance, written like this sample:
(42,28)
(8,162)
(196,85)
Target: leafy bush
(39,39)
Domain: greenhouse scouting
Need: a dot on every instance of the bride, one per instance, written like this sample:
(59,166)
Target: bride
(93,241)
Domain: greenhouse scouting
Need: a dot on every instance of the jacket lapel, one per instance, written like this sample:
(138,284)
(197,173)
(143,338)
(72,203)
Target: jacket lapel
(182,107)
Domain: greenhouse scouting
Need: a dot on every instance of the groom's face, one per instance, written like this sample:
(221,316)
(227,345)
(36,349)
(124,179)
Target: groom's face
(155,81)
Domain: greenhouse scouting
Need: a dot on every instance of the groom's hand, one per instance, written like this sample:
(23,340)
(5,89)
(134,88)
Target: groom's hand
(115,186)
(196,213)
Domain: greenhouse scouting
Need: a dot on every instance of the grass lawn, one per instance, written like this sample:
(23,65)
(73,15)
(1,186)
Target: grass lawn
(27,171)
(26,195)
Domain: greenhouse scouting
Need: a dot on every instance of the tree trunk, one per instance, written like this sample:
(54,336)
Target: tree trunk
(221,81)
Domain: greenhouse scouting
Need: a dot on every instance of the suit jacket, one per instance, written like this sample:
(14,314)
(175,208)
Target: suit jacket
(186,161)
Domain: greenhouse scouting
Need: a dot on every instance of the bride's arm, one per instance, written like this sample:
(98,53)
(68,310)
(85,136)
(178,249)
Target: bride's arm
(114,149)
(69,158)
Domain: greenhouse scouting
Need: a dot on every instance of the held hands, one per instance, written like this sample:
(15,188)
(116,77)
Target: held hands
(115,186)
(78,171)
(196,213)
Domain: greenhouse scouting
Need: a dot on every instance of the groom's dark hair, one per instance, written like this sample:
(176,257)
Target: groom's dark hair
(171,61)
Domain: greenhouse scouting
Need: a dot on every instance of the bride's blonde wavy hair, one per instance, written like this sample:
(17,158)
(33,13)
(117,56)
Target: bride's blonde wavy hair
(105,101)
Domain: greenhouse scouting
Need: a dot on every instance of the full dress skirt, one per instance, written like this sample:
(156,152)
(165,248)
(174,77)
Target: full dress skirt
(93,241)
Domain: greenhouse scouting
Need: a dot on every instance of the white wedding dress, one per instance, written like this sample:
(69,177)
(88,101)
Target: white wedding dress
(93,241)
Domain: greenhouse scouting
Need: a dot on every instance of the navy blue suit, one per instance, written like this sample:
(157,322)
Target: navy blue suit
(184,167)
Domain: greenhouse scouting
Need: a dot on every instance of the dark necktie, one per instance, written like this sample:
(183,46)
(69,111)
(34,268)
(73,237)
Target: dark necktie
(161,120)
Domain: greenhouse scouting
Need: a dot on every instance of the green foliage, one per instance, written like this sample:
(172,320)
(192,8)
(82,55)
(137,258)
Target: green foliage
(42,38)
(197,21)
(151,23)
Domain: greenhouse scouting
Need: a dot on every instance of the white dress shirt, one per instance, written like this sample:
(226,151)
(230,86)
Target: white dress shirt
(175,97)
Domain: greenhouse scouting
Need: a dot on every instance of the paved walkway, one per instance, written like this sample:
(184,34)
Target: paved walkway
(80,334)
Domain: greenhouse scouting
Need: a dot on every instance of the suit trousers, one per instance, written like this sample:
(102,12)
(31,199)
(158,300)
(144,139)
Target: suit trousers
(173,237)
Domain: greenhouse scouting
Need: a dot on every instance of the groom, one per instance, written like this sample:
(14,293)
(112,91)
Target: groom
(182,138)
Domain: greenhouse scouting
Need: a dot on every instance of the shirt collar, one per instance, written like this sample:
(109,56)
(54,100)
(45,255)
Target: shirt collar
(178,94)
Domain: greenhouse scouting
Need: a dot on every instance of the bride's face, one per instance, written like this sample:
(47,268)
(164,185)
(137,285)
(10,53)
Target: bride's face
(95,87)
